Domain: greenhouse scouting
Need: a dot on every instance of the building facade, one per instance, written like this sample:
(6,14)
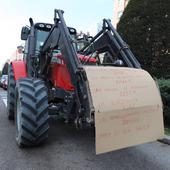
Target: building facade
(119,6)
(17,54)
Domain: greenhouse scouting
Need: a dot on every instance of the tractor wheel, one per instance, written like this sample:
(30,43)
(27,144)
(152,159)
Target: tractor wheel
(10,93)
(31,113)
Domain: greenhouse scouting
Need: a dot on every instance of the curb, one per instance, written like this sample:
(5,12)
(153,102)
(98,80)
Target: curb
(165,140)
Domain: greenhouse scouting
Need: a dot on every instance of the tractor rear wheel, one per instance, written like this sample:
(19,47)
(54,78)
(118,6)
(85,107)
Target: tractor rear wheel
(10,93)
(31,113)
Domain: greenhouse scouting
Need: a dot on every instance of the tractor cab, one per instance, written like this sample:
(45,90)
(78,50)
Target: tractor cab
(35,37)
(82,41)
(36,34)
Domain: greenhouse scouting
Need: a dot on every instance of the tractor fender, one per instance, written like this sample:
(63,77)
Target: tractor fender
(19,69)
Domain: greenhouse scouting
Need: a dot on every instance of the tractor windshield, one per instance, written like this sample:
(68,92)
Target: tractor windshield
(41,37)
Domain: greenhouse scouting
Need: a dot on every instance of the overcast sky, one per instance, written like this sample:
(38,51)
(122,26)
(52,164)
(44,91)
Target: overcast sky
(83,15)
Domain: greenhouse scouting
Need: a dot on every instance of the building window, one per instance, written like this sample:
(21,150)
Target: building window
(119,14)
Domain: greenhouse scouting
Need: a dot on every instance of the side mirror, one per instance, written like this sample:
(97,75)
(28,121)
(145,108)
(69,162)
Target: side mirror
(24,33)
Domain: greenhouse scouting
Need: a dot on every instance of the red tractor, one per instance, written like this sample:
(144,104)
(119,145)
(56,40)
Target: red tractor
(51,78)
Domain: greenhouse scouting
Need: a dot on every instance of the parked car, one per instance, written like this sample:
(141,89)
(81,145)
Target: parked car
(4,81)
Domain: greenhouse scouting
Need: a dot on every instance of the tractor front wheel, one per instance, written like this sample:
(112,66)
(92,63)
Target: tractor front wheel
(31,113)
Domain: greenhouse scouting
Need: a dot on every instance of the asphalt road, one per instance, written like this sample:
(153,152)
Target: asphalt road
(70,149)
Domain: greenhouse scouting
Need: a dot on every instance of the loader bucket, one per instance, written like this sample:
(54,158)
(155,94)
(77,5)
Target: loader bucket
(128,107)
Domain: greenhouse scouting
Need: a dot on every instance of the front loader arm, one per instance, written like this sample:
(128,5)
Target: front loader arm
(59,38)
(109,40)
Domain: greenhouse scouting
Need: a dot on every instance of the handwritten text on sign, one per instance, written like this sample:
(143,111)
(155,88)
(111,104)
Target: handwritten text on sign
(128,107)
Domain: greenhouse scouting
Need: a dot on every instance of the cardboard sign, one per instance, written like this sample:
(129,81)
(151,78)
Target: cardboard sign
(128,107)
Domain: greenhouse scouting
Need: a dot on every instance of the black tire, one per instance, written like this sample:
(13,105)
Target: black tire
(10,93)
(31,113)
